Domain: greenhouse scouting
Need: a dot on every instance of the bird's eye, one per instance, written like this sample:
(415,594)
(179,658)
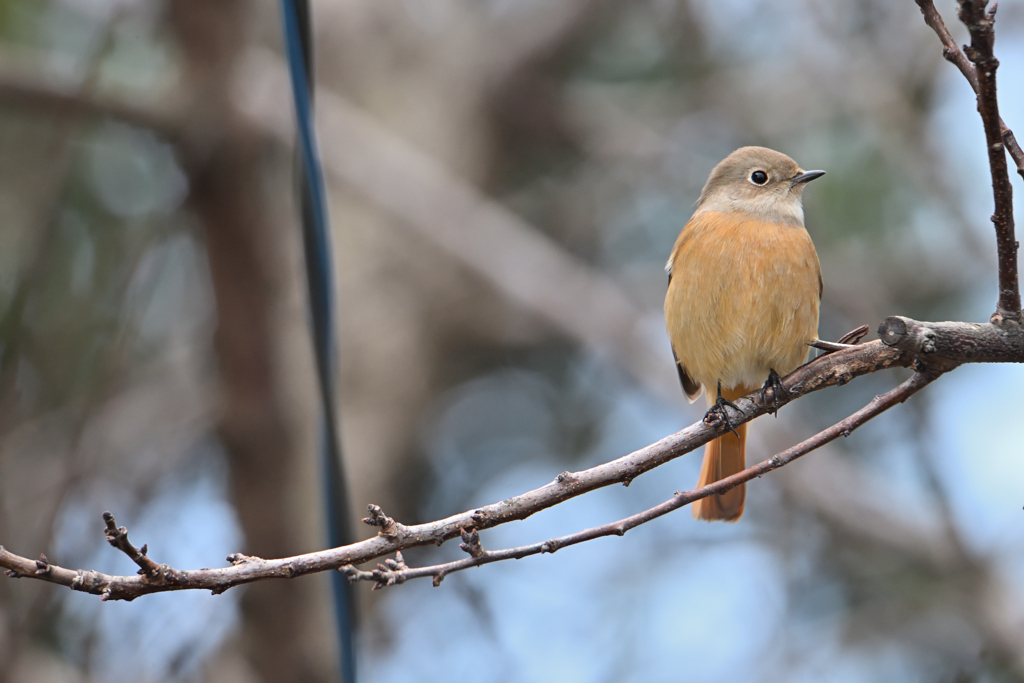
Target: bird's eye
(759,177)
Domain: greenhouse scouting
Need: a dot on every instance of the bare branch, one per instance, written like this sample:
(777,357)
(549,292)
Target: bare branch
(981,25)
(395,571)
(827,346)
(953,54)
(982,77)
(931,348)
(948,344)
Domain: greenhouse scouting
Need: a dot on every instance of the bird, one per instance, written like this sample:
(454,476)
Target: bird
(744,287)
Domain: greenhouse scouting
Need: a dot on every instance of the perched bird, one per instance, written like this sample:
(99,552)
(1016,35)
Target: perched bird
(744,285)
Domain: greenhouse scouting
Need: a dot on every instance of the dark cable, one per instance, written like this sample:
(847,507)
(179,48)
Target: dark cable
(320,279)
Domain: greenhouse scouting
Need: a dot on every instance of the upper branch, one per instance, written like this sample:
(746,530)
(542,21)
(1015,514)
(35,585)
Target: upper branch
(981,24)
(951,51)
(978,64)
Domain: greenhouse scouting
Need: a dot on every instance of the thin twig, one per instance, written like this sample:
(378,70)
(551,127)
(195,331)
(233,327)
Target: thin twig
(396,572)
(848,340)
(118,537)
(854,336)
(829,347)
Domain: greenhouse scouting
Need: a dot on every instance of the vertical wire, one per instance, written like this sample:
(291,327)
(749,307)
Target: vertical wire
(320,280)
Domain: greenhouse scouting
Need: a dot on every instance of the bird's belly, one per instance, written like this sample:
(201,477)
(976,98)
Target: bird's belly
(745,306)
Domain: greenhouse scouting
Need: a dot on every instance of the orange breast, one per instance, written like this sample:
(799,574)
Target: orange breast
(743,298)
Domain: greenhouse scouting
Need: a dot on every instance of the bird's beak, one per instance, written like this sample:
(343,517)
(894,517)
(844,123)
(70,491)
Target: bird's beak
(806,177)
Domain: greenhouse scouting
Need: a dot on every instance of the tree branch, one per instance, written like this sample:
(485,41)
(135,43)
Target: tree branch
(946,345)
(395,571)
(930,348)
(982,77)
(981,25)
(951,51)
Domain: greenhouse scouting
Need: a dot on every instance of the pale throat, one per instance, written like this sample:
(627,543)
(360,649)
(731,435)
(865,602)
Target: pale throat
(768,207)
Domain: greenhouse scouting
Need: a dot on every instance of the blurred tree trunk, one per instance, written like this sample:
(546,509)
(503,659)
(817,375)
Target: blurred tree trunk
(284,630)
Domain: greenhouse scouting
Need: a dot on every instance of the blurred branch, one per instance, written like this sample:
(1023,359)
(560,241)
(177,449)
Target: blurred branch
(568,294)
(524,38)
(44,199)
(999,138)
(525,266)
(930,348)
(224,158)
(28,89)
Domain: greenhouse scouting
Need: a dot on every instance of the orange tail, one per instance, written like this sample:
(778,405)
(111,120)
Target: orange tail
(724,457)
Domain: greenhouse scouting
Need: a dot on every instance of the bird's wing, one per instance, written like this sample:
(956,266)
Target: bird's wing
(691,387)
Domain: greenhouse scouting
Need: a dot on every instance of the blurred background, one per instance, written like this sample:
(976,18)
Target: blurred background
(507,180)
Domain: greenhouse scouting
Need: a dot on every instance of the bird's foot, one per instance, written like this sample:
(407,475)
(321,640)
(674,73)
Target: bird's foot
(774,382)
(718,413)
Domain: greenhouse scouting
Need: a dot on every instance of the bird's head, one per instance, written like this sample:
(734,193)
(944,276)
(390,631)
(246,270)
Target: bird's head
(758,181)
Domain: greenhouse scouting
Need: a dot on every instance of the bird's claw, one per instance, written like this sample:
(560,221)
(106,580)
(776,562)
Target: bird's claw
(718,412)
(774,382)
